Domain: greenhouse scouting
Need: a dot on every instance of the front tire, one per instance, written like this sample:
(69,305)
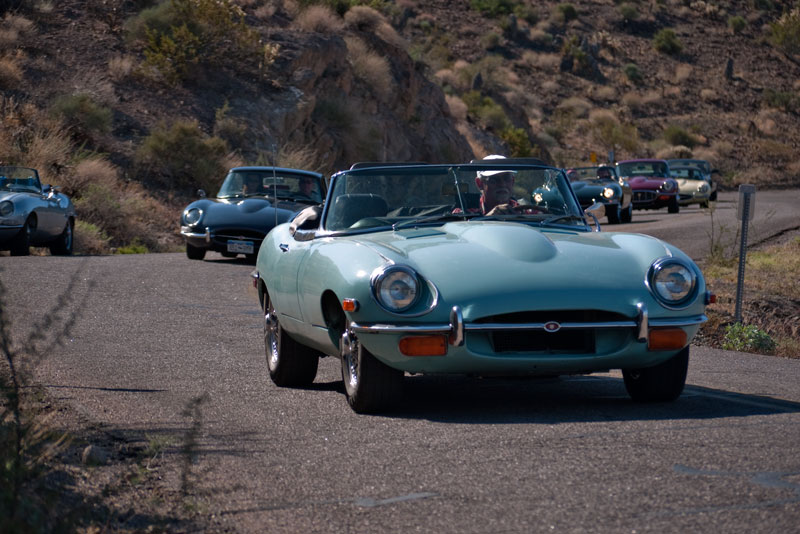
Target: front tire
(673,206)
(63,245)
(370,385)
(613,215)
(195,253)
(662,383)
(627,215)
(290,363)
(21,244)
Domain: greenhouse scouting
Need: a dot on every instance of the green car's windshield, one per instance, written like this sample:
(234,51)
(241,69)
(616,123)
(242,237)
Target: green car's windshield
(394,197)
(241,183)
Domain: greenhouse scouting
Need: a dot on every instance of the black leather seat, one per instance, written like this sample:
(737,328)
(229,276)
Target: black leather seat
(348,209)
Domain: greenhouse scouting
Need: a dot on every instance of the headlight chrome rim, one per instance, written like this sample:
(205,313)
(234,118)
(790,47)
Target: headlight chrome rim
(6,208)
(193,216)
(387,288)
(608,193)
(664,267)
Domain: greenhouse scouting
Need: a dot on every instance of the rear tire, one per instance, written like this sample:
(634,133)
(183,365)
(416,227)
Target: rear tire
(195,253)
(63,245)
(370,385)
(21,244)
(290,363)
(662,383)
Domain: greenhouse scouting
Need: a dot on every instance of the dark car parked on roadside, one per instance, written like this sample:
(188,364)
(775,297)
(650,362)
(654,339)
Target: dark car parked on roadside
(32,214)
(653,187)
(251,201)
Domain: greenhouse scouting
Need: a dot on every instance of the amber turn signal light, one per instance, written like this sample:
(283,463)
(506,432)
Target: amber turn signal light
(667,339)
(423,345)
(350,305)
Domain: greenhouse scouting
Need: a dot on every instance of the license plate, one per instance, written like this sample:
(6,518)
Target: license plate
(240,247)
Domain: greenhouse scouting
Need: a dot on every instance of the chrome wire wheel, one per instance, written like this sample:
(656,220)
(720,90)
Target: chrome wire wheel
(272,337)
(350,361)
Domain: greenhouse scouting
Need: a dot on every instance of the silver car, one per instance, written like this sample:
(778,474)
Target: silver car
(32,214)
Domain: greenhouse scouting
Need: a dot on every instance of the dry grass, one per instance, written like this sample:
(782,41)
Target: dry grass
(320,19)
(94,170)
(542,61)
(120,67)
(370,67)
(771,297)
(576,106)
(299,157)
(363,18)
(458,108)
(11,74)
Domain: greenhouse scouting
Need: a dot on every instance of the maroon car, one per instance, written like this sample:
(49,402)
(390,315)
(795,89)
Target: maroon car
(651,184)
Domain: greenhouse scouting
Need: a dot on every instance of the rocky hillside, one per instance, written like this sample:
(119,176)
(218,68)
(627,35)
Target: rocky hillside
(130,105)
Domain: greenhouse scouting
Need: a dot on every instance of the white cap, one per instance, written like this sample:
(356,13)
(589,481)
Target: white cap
(482,174)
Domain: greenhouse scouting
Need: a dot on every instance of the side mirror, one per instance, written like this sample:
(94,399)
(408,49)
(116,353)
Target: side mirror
(201,193)
(305,223)
(595,211)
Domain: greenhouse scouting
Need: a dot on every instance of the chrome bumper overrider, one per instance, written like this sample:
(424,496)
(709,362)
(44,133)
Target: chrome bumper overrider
(456,329)
(187,231)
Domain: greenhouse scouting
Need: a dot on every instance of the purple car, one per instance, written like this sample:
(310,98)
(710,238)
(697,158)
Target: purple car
(652,186)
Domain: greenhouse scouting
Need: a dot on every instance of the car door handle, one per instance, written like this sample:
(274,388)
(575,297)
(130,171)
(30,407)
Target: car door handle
(284,247)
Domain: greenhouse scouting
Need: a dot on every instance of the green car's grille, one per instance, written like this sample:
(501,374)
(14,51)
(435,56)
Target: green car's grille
(575,341)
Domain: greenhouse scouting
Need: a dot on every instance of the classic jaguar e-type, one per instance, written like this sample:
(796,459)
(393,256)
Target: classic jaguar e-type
(653,187)
(250,202)
(601,184)
(694,181)
(398,272)
(32,214)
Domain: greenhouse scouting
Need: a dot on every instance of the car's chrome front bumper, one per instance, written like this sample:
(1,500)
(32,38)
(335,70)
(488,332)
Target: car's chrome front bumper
(456,329)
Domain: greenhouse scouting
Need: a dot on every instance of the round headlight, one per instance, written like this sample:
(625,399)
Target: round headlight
(396,288)
(6,208)
(608,192)
(671,281)
(668,185)
(193,216)
(703,187)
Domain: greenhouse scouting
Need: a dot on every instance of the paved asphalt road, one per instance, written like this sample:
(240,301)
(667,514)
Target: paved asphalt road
(574,454)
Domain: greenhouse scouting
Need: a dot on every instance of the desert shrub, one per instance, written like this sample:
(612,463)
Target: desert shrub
(90,239)
(785,32)
(582,62)
(341,7)
(11,74)
(518,142)
(182,156)
(677,136)
(336,114)
(321,19)
(120,67)
(633,73)
(458,109)
(182,32)
(667,42)
(135,247)
(526,13)
(370,67)
(233,131)
(628,12)
(785,100)
(488,112)
(82,114)
(492,8)
(566,12)
(748,338)
(490,40)
(607,131)
(737,23)
(92,170)
(363,18)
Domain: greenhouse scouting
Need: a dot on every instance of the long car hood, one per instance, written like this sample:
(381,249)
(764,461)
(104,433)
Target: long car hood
(644,182)
(589,188)
(497,262)
(257,213)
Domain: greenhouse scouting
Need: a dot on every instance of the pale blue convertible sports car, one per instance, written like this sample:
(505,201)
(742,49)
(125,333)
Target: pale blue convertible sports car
(401,272)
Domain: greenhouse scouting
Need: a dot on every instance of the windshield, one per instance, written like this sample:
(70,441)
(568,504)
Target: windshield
(19,179)
(395,197)
(643,168)
(261,182)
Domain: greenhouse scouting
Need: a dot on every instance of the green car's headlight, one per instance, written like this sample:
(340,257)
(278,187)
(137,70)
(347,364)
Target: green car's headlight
(671,281)
(396,288)
(6,208)
(193,216)
(608,192)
